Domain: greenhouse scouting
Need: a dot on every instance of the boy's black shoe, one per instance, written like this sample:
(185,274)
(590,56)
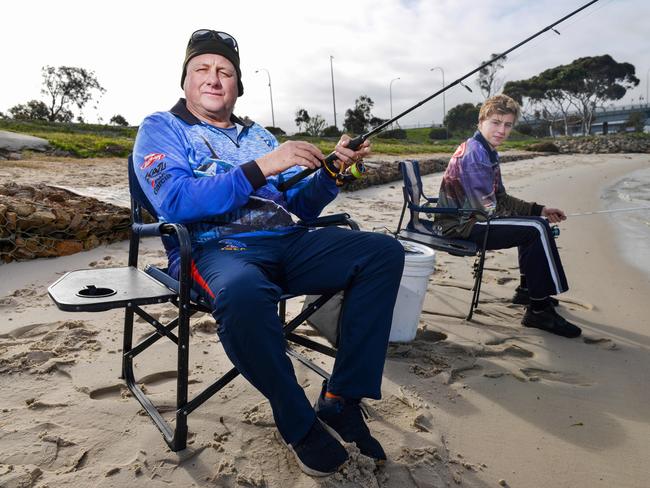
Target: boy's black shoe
(549,320)
(521,297)
(345,420)
(319,453)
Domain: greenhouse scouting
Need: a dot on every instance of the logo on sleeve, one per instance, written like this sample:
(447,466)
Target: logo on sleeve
(149,159)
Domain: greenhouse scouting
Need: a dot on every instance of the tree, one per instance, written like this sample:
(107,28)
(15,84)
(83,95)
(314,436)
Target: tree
(302,118)
(65,86)
(358,119)
(315,125)
(32,110)
(118,120)
(462,117)
(583,86)
(488,81)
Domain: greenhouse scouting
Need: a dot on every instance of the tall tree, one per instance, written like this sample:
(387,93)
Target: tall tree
(66,86)
(360,118)
(584,85)
(488,81)
(117,119)
(302,118)
(315,125)
(462,117)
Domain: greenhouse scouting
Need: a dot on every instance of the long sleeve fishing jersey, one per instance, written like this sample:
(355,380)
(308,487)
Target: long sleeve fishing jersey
(207,178)
(473,180)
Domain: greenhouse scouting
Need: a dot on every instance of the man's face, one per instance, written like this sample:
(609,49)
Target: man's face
(211,87)
(496,128)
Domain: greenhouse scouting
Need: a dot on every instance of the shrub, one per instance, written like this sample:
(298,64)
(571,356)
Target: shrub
(393,134)
(331,131)
(439,133)
(542,147)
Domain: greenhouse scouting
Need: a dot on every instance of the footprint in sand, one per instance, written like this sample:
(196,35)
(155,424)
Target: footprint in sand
(120,390)
(574,304)
(536,374)
(601,342)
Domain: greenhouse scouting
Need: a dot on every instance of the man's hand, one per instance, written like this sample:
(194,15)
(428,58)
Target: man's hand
(554,215)
(289,154)
(347,156)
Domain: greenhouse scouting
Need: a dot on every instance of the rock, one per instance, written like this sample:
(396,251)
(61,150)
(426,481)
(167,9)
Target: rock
(43,221)
(65,248)
(12,142)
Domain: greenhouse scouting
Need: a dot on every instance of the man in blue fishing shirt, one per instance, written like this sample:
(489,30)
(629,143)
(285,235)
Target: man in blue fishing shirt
(473,180)
(201,165)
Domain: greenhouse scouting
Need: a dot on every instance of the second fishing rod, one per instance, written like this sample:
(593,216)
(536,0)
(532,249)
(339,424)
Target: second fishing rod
(357,169)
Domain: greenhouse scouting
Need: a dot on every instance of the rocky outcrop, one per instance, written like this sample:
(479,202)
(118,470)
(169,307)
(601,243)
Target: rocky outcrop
(42,221)
(11,143)
(615,143)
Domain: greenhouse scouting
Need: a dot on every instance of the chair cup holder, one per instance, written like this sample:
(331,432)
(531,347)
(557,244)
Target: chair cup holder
(92,291)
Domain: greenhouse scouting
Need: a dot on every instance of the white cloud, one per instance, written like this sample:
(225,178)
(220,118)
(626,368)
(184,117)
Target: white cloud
(137,48)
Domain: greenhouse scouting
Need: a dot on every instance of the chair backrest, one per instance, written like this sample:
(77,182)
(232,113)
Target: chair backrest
(413,193)
(412,180)
(138,198)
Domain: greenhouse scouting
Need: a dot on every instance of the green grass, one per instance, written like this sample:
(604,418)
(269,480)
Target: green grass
(93,140)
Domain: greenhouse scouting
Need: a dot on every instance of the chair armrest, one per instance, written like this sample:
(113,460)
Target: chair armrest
(449,210)
(147,230)
(328,220)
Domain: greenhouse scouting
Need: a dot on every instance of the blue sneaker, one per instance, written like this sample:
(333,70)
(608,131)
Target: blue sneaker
(318,453)
(344,418)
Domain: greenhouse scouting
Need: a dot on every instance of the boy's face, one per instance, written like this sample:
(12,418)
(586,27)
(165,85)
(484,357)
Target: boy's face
(496,128)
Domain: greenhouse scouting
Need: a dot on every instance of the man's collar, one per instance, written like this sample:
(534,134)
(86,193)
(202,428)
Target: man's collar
(180,110)
(494,155)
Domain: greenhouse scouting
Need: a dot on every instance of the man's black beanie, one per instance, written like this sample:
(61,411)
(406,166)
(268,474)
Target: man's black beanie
(213,46)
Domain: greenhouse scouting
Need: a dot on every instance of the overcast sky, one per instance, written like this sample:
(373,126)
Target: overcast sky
(136,49)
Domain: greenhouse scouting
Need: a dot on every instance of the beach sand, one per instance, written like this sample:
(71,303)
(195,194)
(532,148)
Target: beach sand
(485,403)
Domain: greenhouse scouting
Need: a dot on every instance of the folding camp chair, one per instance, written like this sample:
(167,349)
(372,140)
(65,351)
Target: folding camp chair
(425,231)
(131,288)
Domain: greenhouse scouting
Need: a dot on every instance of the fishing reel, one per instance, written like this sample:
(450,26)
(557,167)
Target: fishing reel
(555,231)
(351,173)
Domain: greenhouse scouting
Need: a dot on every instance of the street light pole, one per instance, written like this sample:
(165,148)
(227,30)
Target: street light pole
(390,95)
(333,96)
(270,93)
(647,77)
(444,106)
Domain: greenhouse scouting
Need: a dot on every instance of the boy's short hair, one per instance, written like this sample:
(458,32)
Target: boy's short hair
(499,104)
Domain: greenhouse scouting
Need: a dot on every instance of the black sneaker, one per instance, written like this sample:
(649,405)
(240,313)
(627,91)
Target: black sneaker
(344,418)
(550,321)
(319,453)
(521,297)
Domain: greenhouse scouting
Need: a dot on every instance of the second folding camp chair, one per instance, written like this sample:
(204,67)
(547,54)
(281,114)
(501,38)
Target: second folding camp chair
(132,288)
(424,231)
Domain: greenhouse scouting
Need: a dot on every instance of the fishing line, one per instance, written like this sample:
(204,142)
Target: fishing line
(614,210)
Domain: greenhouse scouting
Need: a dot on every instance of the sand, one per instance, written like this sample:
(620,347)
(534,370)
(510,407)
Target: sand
(477,404)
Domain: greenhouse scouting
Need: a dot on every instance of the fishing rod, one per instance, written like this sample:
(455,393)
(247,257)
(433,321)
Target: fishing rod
(357,169)
(615,210)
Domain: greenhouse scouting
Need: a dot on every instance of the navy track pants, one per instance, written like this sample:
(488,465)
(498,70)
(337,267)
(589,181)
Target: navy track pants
(244,279)
(539,260)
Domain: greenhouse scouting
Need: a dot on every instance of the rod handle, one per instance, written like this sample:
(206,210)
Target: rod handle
(285,185)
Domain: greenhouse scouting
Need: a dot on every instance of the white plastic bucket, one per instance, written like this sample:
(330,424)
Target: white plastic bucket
(418,266)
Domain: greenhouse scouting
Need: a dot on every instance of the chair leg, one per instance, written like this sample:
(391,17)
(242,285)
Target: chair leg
(478,277)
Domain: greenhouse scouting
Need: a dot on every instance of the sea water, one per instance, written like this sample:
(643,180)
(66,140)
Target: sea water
(632,227)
